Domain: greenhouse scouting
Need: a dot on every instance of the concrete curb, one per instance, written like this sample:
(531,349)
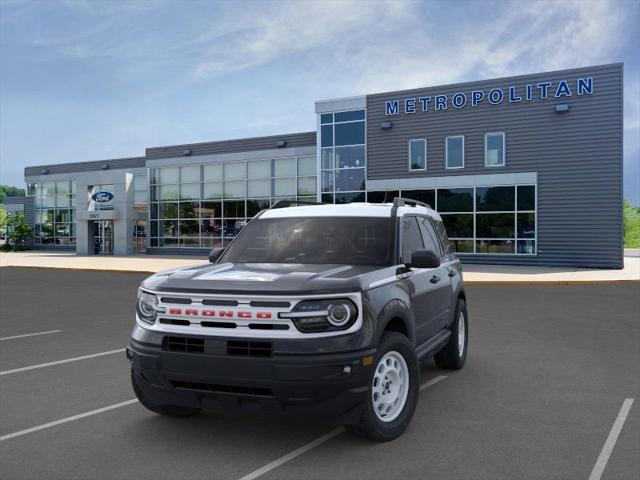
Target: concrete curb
(466,282)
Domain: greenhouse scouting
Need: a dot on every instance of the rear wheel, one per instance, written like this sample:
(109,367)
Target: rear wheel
(149,404)
(454,354)
(394,391)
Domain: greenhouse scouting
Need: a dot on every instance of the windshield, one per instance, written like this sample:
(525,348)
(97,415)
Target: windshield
(330,240)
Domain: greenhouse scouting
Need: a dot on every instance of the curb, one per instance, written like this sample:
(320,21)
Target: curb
(631,281)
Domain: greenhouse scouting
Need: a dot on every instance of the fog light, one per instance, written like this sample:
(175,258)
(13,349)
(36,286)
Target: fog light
(368,360)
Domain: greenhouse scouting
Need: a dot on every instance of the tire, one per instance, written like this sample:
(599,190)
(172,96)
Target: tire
(166,410)
(450,357)
(395,354)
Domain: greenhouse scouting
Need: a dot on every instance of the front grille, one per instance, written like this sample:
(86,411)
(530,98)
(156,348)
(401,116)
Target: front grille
(184,344)
(230,389)
(249,349)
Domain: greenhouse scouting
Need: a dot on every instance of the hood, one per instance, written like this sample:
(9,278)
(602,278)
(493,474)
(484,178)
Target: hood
(267,278)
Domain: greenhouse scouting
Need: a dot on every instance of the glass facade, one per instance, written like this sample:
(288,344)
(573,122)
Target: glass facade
(54,212)
(343,156)
(482,220)
(207,205)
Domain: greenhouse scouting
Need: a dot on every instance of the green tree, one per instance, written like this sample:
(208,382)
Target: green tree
(10,191)
(631,225)
(3,218)
(17,231)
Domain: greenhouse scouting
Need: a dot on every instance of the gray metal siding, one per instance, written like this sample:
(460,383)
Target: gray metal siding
(231,146)
(577,156)
(97,165)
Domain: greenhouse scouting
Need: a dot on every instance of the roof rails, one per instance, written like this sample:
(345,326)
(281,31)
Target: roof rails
(401,202)
(289,203)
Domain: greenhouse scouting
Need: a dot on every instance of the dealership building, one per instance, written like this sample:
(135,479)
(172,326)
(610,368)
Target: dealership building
(524,170)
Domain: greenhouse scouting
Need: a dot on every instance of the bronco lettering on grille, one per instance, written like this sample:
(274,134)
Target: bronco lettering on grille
(193,312)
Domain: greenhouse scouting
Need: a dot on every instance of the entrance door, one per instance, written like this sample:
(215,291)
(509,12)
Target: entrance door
(103,237)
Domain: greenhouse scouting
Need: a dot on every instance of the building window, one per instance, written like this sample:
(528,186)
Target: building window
(494,150)
(454,152)
(342,156)
(54,212)
(418,154)
(207,205)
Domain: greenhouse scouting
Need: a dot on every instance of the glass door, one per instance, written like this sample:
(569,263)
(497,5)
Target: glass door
(103,237)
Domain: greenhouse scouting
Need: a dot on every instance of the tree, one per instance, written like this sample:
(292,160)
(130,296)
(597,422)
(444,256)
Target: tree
(631,225)
(9,191)
(17,231)
(3,219)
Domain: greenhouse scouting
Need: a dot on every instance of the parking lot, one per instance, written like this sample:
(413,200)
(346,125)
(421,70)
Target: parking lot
(543,395)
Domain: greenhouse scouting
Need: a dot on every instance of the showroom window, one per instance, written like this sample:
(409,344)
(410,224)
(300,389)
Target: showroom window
(494,150)
(207,205)
(343,152)
(54,222)
(454,152)
(418,154)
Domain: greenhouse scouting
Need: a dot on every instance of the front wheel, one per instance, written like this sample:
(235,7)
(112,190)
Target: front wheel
(454,354)
(393,393)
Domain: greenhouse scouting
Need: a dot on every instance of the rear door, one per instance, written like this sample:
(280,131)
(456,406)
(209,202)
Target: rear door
(420,282)
(442,292)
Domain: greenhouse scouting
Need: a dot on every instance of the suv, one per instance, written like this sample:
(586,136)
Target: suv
(312,309)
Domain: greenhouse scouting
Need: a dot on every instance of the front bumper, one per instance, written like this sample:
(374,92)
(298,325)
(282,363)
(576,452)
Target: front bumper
(328,385)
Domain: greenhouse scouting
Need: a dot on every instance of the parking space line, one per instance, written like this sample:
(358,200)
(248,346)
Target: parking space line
(30,335)
(314,443)
(603,458)
(59,362)
(67,420)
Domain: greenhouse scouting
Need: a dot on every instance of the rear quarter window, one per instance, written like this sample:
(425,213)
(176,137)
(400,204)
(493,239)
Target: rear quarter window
(442,233)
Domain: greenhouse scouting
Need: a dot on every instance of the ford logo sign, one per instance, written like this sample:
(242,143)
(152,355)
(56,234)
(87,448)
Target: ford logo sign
(102,197)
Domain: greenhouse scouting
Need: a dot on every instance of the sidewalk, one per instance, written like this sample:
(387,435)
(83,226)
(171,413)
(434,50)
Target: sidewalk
(473,274)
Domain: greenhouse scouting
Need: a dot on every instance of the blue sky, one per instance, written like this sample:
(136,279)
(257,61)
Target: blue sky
(87,80)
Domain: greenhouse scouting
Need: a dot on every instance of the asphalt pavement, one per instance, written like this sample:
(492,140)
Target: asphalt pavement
(545,384)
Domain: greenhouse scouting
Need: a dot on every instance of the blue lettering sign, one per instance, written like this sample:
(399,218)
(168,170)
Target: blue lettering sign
(585,85)
(512,95)
(410,105)
(529,94)
(563,89)
(425,103)
(392,107)
(544,87)
(496,96)
(102,197)
(459,100)
(441,102)
(476,97)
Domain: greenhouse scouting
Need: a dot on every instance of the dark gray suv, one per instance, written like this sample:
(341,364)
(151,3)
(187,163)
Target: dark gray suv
(312,310)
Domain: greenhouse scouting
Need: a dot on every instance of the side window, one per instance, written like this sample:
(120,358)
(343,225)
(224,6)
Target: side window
(411,238)
(444,239)
(430,237)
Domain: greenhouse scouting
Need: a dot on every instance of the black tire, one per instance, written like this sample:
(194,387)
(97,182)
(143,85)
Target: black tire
(166,410)
(450,357)
(372,427)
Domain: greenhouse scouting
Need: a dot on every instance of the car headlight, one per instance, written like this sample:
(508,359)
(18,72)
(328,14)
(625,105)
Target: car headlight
(148,306)
(324,315)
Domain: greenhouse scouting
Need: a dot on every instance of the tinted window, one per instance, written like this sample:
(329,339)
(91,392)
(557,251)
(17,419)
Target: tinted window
(429,236)
(426,196)
(495,199)
(411,238)
(455,152)
(459,225)
(526,197)
(444,240)
(455,200)
(495,225)
(348,116)
(350,179)
(349,133)
(326,133)
(494,149)
(329,240)
(326,118)
(417,154)
(382,197)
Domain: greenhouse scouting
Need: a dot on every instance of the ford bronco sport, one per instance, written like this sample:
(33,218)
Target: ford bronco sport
(312,309)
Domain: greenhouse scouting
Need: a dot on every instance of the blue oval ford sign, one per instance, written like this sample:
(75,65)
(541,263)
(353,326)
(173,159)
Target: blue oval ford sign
(102,197)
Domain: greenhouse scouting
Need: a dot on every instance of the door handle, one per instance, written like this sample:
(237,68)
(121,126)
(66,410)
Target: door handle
(452,273)
(435,279)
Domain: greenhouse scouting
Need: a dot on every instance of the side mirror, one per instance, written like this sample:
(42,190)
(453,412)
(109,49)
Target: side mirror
(424,259)
(215,254)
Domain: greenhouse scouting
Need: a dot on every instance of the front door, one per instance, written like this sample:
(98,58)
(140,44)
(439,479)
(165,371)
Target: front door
(103,237)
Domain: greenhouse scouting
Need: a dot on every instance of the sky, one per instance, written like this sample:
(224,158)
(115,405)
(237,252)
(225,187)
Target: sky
(87,80)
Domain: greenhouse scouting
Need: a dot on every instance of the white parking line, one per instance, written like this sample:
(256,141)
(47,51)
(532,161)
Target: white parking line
(314,443)
(601,463)
(59,362)
(67,420)
(30,334)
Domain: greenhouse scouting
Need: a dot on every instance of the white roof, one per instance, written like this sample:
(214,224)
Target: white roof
(355,209)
